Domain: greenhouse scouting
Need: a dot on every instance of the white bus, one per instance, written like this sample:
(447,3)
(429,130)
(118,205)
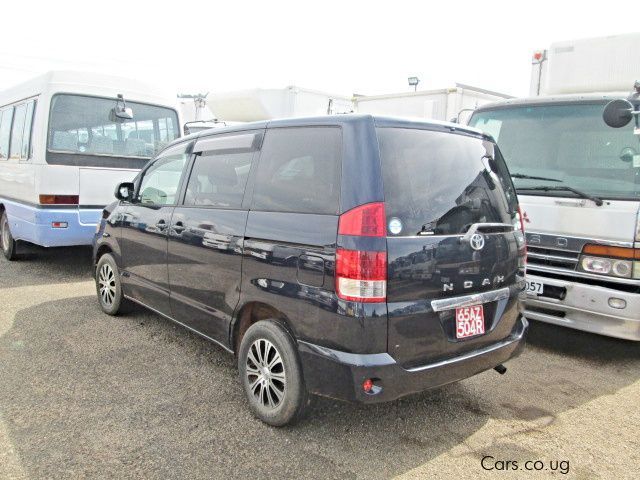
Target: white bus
(66,140)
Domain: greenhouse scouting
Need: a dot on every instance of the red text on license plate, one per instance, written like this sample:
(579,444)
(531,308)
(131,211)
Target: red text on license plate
(469,321)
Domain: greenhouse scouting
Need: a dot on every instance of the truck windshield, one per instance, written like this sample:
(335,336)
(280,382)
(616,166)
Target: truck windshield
(567,143)
(85,125)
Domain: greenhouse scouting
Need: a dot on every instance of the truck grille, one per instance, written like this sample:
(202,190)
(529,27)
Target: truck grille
(557,257)
(551,257)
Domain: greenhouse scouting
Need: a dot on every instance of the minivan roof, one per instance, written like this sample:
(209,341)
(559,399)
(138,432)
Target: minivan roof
(337,120)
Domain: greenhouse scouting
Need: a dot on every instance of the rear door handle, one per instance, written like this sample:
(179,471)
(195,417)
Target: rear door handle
(178,227)
(473,229)
(161,225)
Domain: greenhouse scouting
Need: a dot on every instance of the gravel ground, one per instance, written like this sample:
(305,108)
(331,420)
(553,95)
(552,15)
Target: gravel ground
(83,394)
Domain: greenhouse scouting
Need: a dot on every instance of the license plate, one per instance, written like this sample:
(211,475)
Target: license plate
(469,321)
(534,288)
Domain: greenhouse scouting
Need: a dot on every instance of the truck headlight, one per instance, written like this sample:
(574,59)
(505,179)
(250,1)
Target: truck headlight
(615,261)
(596,265)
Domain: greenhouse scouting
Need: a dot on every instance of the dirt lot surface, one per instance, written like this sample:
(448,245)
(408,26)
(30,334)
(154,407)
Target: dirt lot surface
(83,394)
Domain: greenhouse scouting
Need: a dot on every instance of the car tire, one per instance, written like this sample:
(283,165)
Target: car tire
(109,286)
(9,245)
(274,387)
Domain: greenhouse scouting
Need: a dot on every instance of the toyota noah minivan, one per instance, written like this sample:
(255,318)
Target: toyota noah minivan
(357,257)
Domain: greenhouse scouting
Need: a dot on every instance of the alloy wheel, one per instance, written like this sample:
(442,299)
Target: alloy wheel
(265,373)
(107,282)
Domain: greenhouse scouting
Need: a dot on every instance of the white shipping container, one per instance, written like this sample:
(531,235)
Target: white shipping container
(606,64)
(265,104)
(442,104)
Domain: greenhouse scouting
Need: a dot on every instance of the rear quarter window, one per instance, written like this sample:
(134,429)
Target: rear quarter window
(438,183)
(299,171)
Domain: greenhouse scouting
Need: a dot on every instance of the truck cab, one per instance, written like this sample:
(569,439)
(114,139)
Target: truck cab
(578,183)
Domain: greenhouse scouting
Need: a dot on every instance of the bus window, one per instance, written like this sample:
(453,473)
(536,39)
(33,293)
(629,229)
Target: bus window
(5,131)
(85,125)
(26,137)
(16,132)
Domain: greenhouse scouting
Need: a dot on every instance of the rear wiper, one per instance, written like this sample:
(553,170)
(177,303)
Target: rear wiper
(561,188)
(531,177)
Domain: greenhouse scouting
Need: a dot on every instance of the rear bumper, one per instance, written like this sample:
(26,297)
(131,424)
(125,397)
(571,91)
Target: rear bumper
(586,307)
(340,375)
(33,224)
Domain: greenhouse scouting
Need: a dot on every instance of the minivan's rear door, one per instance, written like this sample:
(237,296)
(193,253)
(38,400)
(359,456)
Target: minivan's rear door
(451,210)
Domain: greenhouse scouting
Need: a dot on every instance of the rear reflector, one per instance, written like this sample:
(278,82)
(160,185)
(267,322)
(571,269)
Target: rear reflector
(361,276)
(59,224)
(367,385)
(365,221)
(59,199)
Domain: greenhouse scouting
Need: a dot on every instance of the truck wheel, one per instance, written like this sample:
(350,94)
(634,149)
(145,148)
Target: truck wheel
(271,374)
(109,286)
(9,245)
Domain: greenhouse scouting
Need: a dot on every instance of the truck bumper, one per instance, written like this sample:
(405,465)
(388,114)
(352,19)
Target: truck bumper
(340,375)
(586,307)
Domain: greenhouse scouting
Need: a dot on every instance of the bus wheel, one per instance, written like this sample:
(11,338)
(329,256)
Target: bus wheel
(6,239)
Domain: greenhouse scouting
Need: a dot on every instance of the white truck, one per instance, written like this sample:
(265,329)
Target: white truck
(447,104)
(578,181)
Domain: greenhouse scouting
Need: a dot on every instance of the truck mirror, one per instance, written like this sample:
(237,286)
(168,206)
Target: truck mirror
(617,113)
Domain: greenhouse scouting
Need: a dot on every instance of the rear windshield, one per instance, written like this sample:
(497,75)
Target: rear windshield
(438,183)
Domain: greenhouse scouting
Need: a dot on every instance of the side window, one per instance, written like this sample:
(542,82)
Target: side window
(160,183)
(6,115)
(218,180)
(17,130)
(26,137)
(299,171)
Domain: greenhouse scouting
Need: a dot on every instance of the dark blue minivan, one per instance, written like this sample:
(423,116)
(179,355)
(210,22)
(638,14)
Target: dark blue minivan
(357,257)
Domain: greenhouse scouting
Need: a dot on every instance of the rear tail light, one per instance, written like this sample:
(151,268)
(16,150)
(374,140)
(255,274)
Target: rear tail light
(59,199)
(518,226)
(361,275)
(520,219)
(365,221)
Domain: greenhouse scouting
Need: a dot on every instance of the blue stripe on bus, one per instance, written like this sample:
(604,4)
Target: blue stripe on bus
(34,224)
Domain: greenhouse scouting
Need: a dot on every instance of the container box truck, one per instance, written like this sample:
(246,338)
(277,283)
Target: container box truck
(578,181)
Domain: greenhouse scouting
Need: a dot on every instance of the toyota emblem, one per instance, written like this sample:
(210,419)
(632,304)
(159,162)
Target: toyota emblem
(477,241)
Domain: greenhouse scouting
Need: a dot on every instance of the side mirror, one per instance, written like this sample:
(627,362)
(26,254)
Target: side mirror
(124,191)
(617,113)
